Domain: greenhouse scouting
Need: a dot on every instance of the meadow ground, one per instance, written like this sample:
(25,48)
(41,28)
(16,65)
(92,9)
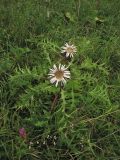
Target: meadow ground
(78,121)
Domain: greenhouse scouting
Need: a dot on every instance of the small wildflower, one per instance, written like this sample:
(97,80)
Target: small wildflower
(55,137)
(22,133)
(30,145)
(37,142)
(48,136)
(69,50)
(54,143)
(59,74)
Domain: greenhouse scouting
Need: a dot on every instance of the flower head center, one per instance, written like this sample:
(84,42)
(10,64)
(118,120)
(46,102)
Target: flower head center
(69,49)
(59,74)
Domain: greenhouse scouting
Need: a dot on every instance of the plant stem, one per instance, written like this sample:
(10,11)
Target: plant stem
(56,98)
(54,102)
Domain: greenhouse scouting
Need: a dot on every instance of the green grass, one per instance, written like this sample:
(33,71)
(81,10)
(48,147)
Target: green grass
(83,123)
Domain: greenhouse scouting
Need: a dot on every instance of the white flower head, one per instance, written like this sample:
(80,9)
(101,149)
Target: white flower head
(69,50)
(59,74)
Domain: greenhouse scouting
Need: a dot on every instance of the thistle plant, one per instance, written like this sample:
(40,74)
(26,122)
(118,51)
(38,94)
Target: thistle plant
(59,75)
(69,50)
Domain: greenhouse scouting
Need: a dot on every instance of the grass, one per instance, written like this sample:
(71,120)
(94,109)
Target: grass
(80,121)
